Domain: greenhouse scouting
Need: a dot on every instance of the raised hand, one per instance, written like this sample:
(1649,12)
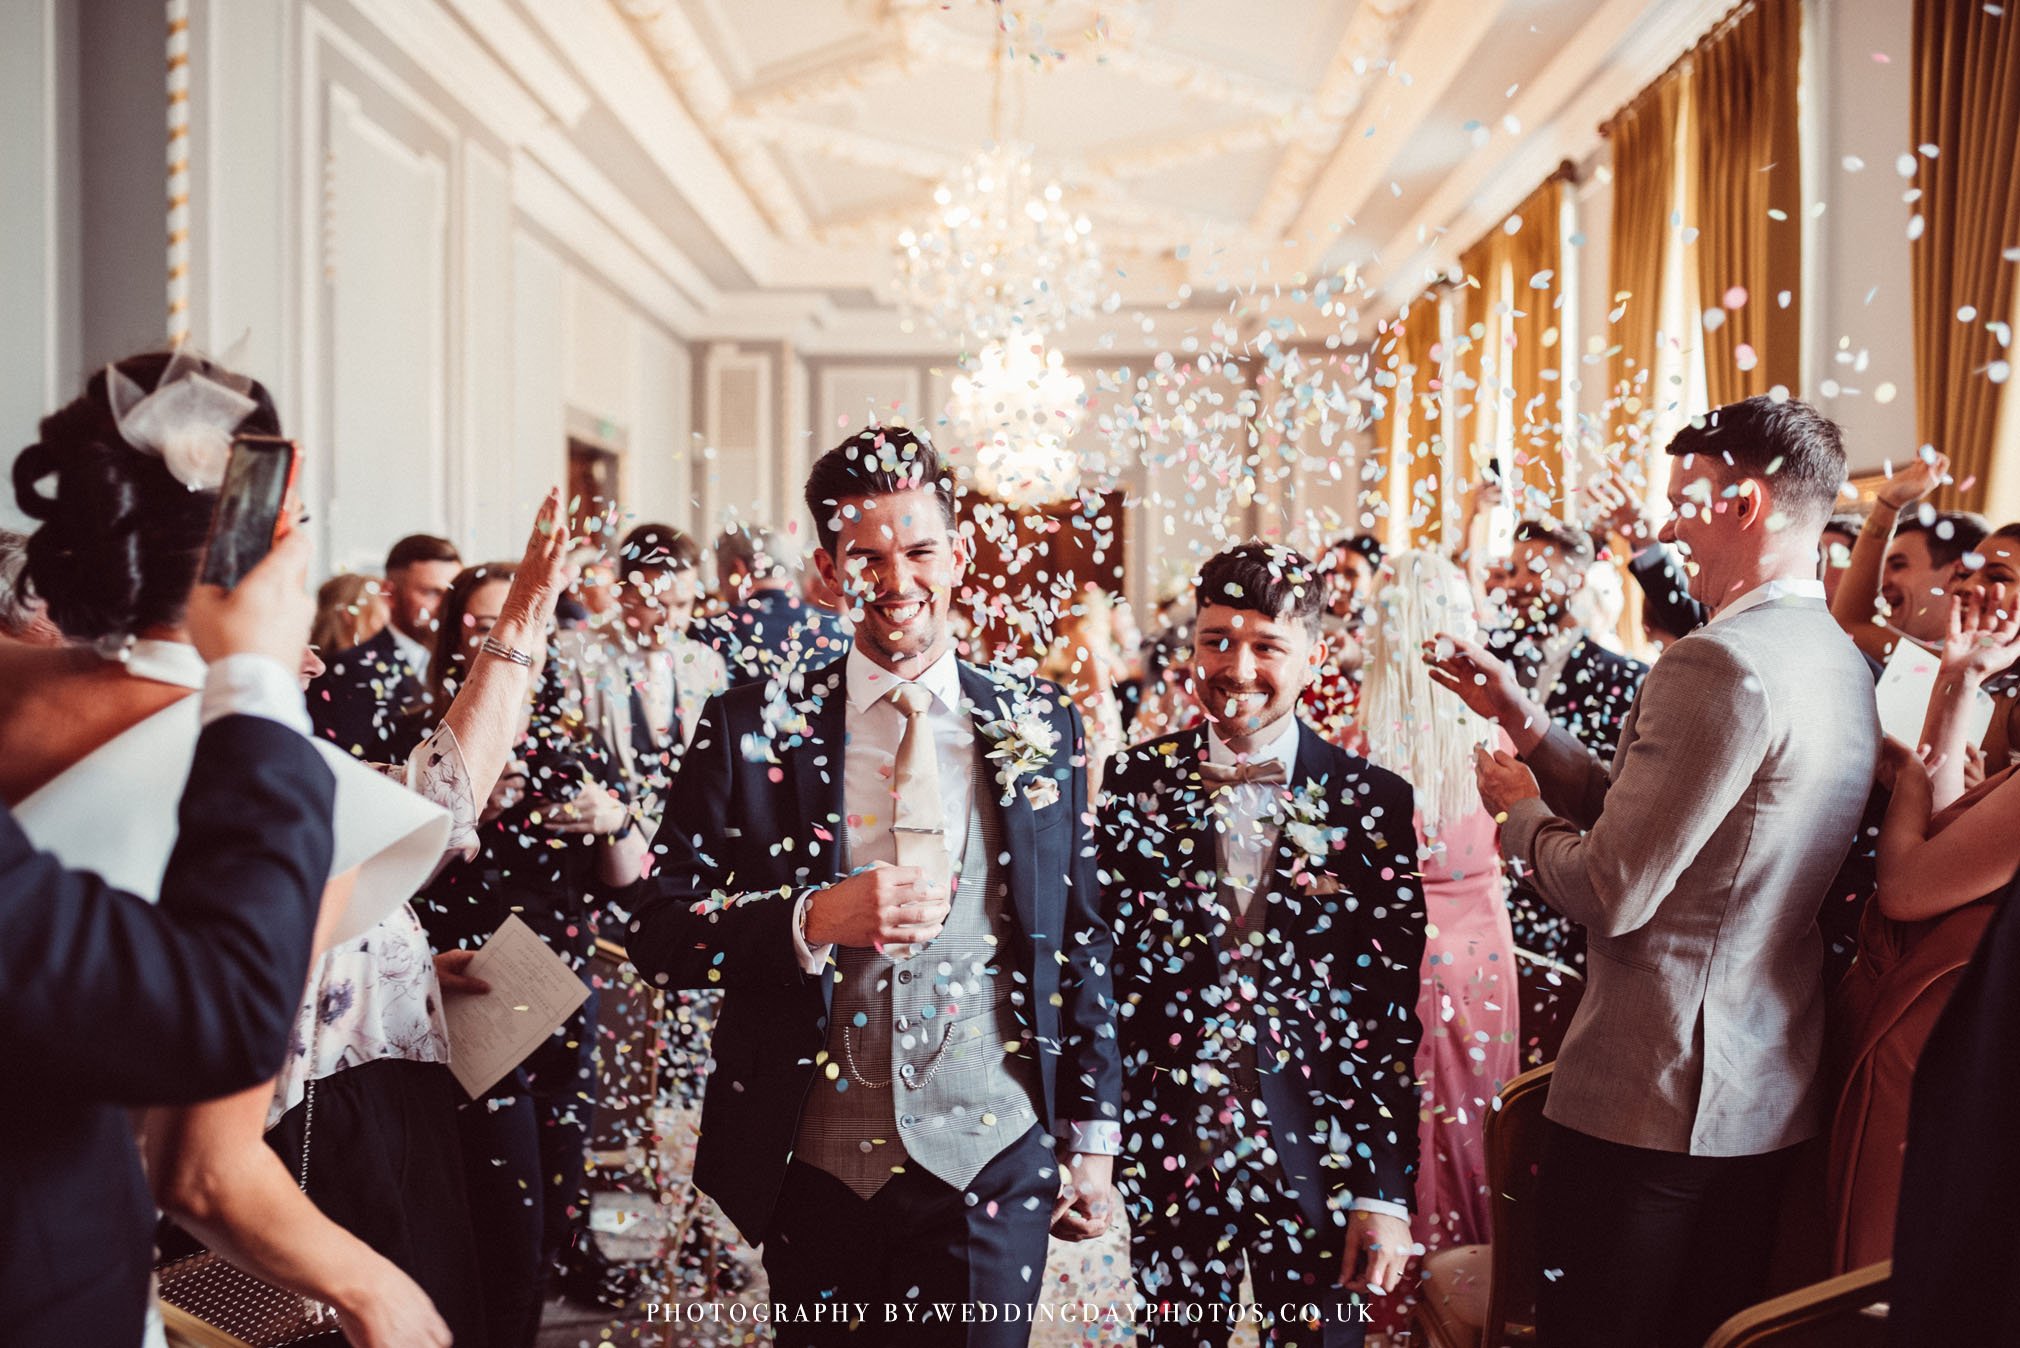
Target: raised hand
(1621,508)
(1913,480)
(879,906)
(1983,639)
(543,571)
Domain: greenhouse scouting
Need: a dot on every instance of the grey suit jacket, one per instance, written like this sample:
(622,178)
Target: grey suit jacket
(1697,867)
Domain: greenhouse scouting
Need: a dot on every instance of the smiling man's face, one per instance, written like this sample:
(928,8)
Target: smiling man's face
(897,562)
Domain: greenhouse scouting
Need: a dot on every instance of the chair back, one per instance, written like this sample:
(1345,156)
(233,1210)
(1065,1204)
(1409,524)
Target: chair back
(1848,1311)
(1514,1157)
(1549,993)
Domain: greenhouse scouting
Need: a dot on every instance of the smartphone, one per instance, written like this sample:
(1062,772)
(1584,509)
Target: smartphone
(251,514)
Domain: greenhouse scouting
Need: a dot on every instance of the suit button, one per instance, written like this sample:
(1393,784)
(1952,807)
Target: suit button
(904,975)
(908,1071)
(906,1120)
(904,1023)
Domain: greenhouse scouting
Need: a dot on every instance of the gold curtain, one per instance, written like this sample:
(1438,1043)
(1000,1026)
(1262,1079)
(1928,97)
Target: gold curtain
(1966,102)
(1475,322)
(1644,196)
(1745,197)
(1534,256)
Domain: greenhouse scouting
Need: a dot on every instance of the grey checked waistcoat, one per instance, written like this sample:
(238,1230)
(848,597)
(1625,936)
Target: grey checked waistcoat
(927,1061)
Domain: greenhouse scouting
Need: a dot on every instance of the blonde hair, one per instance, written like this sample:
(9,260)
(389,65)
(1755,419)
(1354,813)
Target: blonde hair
(1413,727)
(350,610)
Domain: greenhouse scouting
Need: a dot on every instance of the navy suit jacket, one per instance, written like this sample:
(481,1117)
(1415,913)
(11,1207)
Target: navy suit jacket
(744,837)
(1338,983)
(107,1001)
(356,703)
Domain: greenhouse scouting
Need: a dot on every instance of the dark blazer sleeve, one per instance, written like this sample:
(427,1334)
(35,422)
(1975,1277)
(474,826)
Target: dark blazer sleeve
(1381,1068)
(1666,592)
(105,997)
(1089,1083)
(693,929)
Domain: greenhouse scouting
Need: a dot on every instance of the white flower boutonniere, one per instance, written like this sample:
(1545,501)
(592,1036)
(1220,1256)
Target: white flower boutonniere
(1303,820)
(1023,742)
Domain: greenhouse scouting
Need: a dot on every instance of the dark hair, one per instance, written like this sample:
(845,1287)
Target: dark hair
(2005,531)
(1797,448)
(1262,578)
(1847,524)
(447,664)
(751,549)
(1947,534)
(120,538)
(655,548)
(420,548)
(875,461)
(1367,545)
(1574,543)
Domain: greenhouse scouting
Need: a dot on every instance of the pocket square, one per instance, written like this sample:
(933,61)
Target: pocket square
(1042,791)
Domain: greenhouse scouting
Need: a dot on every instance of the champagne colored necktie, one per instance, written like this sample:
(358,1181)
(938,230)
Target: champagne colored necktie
(919,817)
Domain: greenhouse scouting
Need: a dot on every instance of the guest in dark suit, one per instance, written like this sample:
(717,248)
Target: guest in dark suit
(888,870)
(108,1002)
(765,628)
(1268,927)
(358,700)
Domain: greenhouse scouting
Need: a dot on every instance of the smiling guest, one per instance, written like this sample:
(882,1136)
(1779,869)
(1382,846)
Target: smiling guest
(1697,864)
(1268,922)
(887,869)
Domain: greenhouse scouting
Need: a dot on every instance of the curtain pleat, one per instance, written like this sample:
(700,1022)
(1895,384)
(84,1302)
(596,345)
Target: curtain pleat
(1534,255)
(1966,103)
(1744,194)
(1644,140)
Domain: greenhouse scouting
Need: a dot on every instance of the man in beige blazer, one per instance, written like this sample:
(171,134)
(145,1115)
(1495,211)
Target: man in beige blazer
(1697,864)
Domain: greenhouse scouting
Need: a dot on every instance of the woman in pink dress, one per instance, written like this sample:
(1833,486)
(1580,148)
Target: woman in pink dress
(1467,1003)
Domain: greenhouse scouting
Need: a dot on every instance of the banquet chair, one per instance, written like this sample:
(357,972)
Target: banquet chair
(1848,1311)
(1484,1296)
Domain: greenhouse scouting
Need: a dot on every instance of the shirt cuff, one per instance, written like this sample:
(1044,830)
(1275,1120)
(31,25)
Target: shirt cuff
(1381,1205)
(245,684)
(812,959)
(1093,1137)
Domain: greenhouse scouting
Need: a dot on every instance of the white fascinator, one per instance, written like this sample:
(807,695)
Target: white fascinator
(187,420)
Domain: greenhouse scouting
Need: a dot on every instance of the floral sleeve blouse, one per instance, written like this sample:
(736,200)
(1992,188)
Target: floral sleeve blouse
(376,996)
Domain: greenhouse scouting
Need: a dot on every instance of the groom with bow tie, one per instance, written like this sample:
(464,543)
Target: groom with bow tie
(888,868)
(1268,922)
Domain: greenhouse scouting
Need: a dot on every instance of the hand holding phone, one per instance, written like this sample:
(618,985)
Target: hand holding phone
(251,514)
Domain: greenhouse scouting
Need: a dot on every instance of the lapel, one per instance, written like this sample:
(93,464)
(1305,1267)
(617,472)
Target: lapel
(814,765)
(1020,828)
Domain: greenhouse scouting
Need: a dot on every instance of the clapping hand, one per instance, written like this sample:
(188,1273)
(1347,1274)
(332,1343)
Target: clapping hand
(1984,639)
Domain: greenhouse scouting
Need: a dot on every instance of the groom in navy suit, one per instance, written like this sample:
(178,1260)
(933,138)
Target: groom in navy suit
(887,866)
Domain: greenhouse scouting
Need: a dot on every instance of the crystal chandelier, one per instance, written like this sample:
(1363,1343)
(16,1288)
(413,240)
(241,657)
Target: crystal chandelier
(999,254)
(1019,408)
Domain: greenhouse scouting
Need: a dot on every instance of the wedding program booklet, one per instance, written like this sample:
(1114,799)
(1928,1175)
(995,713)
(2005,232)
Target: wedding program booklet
(532,991)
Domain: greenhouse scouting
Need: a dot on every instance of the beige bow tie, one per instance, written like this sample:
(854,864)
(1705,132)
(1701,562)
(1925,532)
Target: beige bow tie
(1269,772)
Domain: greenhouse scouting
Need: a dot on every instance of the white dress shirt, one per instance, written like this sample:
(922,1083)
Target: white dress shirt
(1247,815)
(1246,812)
(1795,587)
(413,652)
(254,685)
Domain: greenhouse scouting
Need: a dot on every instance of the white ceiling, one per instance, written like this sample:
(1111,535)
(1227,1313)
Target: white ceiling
(777,146)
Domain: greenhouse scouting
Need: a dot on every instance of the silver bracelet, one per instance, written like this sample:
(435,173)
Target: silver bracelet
(492,646)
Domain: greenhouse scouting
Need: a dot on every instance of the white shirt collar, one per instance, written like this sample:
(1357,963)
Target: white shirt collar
(415,653)
(1797,587)
(869,682)
(1283,748)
